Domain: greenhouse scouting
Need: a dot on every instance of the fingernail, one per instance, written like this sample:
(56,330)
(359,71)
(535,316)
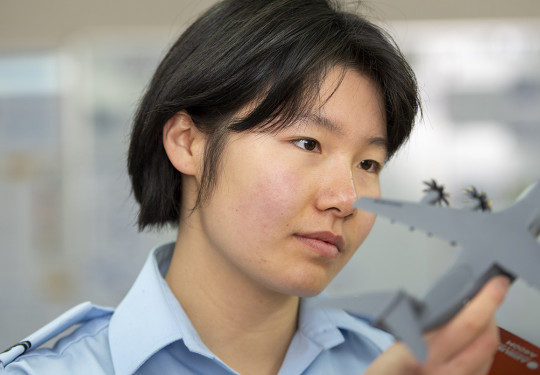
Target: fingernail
(503,283)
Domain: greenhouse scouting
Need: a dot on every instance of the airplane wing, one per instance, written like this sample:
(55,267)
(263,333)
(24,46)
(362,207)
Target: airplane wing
(434,220)
(524,261)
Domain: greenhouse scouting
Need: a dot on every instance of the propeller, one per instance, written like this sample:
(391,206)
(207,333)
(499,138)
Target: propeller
(435,194)
(481,199)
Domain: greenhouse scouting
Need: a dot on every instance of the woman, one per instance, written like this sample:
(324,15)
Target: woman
(261,126)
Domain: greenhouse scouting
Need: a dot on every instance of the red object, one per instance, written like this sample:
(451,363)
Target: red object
(515,356)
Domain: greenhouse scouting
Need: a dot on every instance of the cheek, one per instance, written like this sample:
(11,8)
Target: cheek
(361,228)
(271,197)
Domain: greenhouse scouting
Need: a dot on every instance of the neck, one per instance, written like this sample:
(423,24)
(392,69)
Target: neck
(246,326)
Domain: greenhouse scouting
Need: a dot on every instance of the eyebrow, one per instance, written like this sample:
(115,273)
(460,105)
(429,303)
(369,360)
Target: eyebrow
(378,141)
(323,122)
(328,124)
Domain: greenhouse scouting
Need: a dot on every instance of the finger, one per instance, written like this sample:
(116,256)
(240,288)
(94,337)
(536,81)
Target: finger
(476,357)
(449,340)
(481,370)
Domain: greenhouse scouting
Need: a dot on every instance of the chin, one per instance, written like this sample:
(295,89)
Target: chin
(305,287)
(309,294)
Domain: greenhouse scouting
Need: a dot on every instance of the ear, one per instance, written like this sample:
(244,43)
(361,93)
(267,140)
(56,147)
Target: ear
(183,143)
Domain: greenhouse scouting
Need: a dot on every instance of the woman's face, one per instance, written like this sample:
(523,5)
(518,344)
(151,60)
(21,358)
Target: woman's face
(281,215)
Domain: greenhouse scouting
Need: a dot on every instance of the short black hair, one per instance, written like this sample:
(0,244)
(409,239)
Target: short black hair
(272,52)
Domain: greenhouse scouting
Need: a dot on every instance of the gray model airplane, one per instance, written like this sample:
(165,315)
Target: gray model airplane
(493,243)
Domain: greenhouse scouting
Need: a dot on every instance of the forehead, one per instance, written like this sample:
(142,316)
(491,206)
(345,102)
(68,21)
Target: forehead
(342,81)
(348,98)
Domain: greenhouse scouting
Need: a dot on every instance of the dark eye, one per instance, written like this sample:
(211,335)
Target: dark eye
(307,144)
(370,166)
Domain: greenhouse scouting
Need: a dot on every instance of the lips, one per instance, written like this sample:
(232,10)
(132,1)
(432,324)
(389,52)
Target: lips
(325,242)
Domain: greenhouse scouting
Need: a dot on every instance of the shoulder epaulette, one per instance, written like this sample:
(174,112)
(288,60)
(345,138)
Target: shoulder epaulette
(76,315)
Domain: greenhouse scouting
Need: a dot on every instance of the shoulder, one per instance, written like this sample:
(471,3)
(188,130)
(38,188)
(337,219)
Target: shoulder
(86,347)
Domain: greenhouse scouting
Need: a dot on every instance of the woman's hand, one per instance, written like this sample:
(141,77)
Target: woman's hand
(463,346)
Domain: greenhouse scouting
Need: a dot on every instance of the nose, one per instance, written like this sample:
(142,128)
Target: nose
(337,192)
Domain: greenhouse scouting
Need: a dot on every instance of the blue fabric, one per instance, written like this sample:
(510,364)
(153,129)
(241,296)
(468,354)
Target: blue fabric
(149,333)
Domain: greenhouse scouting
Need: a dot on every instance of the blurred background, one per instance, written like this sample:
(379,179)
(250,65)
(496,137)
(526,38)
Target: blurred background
(72,72)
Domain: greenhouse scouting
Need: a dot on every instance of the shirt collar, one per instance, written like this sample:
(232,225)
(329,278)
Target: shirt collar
(341,320)
(150,317)
(324,327)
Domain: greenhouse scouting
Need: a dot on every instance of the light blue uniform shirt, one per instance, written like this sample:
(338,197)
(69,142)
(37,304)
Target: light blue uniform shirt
(149,333)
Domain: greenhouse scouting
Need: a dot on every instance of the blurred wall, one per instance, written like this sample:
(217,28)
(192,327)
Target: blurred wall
(71,73)
(31,22)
